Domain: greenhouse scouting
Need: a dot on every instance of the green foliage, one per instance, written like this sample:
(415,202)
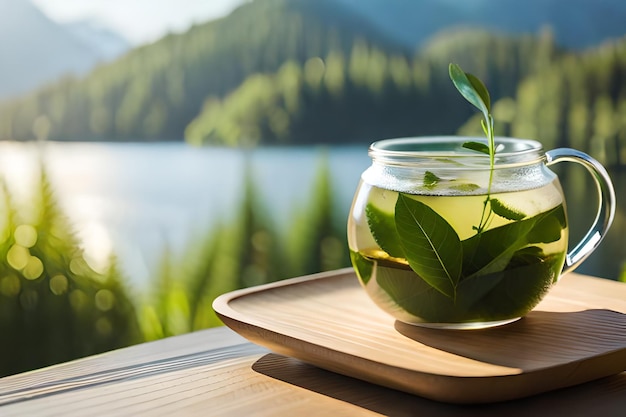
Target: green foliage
(287,107)
(335,102)
(241,254)
(53,306)
(578,102)
(244,252)
(315,242)
(154,91)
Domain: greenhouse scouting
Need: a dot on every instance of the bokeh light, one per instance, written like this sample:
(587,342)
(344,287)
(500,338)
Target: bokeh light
(25,235)
(58,284)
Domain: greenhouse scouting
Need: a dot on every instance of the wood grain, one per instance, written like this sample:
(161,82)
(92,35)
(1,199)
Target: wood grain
(577,334)
(232,377)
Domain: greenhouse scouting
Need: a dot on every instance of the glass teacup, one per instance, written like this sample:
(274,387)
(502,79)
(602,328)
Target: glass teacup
(439,238)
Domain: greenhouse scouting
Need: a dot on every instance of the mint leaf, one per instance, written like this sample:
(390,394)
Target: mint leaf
(415,295)
(477,146)
(550,228)
(490,297)
(466,187)
(480,89)
(491,251)
(512,292)
(383,228)
(402,285)
(430,180)
(362,266)
(431,246)
(473,94)
(505,211)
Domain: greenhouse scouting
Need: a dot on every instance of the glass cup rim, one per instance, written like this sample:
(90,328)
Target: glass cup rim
(416,149)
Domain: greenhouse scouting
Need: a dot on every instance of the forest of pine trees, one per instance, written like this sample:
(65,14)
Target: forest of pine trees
(303,73)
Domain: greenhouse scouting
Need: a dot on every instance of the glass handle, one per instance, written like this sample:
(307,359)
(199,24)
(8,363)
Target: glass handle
(606,209)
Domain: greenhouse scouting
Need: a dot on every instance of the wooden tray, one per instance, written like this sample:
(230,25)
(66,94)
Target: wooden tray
(577,334)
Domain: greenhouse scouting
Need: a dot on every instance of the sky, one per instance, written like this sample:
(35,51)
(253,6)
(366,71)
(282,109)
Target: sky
(139,21)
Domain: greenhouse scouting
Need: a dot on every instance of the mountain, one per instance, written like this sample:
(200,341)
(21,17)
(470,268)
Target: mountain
(575,23)
(107,44)
(36,50)
(305,71)
(153,92)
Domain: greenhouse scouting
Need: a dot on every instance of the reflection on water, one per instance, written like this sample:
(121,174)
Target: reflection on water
(139,200)
(136,200)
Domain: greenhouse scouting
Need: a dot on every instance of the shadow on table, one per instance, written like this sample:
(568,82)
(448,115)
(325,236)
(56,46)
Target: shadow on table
(606,397)
(85,377)
(541,339)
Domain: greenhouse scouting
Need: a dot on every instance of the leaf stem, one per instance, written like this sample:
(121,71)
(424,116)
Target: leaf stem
(474,91)
(486,214)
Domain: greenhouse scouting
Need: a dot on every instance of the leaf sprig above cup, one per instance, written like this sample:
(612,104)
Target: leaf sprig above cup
(462,270)
(474,91)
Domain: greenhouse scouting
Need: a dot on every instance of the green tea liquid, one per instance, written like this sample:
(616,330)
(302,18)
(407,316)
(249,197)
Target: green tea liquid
(533,265)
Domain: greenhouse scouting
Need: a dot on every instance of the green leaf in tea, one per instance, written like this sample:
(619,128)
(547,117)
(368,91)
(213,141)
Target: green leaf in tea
(477,146)
(430,180)
(383,228)
(527,256)
(415,295)
(465,187)
(432,247)
(491,251)
(550,228)
(505,211)
(512,292)
(363,266)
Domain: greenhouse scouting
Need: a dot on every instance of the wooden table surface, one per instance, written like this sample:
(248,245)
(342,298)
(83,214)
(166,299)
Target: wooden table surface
(216,372)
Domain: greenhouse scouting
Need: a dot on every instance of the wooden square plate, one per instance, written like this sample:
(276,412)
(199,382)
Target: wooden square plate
(575,335)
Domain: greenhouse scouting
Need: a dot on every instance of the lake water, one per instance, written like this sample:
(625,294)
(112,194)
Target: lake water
(138,199)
